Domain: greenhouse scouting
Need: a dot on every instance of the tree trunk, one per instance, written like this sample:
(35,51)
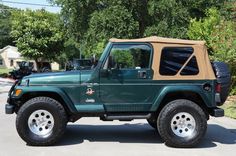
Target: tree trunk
(37,65)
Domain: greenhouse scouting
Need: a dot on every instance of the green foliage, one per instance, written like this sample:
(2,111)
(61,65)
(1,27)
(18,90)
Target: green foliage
(229,10)
(230,109)
(91,23)
(220,36)
(138,9)
(71,49)
(233,91)
(111,22)
(171,18)
(123,58)
(4,72)
(5,26)
(69,52)
(75,16)
(37,34)
(203,29)
(98,49)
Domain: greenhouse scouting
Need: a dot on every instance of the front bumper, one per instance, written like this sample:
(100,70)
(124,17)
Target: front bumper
(217,112)
(10,106)
(9,109)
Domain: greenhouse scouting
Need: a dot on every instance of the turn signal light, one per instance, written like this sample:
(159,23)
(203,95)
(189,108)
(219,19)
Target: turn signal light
(17,92)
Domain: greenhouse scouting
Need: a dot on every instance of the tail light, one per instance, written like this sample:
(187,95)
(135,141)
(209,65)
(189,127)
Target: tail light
(218,88)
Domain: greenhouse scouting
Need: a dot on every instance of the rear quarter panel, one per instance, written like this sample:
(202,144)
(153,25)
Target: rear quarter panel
(196,86)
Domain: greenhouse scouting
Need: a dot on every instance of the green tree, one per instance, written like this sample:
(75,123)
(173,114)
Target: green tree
(37,34)
(220,37)
(75,16)
(219,34)
(5,26)
(137,8)
(171,18)
(115,22)
(83,20)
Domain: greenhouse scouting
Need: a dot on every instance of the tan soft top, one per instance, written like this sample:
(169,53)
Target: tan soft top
(160,40)
(158,43)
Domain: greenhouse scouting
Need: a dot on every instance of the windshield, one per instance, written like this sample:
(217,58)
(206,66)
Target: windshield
(103,53)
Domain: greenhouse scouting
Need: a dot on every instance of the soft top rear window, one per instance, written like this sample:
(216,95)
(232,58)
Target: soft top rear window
(173,59)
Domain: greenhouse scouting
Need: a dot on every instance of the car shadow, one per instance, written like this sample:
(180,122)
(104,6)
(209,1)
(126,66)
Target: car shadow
(138,133)
(218,134)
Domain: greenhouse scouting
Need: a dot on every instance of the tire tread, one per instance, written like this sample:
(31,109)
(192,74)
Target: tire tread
(31,103)
(174,105)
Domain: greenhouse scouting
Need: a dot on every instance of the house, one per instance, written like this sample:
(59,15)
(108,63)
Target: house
(10,58)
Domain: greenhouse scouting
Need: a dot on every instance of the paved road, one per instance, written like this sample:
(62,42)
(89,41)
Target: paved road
(5,85)
(89,136)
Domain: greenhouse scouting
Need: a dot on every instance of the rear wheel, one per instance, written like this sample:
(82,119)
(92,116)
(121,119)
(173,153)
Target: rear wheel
(41,121)
(182,123)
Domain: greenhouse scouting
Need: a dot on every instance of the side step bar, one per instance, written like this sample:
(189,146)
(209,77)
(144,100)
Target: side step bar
(125,117)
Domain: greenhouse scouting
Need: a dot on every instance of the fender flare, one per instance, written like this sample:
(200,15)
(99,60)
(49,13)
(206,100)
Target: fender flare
(175,89)
(48,89)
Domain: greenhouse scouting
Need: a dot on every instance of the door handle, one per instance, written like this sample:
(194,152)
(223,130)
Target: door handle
(142,74)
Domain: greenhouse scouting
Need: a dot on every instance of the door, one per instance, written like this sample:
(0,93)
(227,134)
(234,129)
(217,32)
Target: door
(126,78)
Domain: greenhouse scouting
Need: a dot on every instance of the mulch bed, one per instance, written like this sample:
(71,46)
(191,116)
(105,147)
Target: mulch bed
(231,98)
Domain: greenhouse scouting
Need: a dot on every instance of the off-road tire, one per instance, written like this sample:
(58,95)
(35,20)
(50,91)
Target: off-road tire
(41,103)
(167,114)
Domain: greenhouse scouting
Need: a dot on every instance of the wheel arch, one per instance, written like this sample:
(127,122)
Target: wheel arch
(170,94)
(60,97)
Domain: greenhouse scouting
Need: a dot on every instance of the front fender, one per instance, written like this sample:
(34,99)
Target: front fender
(206,96)
(46,89)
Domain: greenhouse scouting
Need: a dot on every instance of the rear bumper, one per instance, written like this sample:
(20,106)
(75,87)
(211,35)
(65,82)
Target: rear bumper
(217,112)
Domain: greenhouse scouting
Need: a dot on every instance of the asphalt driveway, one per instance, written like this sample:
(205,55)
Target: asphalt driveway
(90,136)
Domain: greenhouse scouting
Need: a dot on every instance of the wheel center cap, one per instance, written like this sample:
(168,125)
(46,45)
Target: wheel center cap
(41,121)
(182,123)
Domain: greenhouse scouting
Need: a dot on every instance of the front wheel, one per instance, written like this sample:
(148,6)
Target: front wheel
(182,123)
(41,121)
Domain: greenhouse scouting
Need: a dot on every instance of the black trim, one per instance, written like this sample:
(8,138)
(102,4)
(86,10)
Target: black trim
(125,117)
(217,112)
(9,109)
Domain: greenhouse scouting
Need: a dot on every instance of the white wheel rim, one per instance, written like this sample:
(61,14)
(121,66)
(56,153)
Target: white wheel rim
(41,123)
(183,124)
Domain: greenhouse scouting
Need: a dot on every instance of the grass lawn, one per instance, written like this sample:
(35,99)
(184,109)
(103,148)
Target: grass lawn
(230,109)
(4,70)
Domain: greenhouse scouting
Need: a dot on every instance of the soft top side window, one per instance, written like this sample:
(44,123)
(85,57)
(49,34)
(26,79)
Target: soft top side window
(129,56)
(176,60)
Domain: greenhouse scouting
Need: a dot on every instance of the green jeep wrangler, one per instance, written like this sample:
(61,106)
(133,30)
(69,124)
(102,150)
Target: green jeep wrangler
(169,82)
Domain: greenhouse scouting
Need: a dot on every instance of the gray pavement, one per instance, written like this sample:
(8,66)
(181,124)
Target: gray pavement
(5,85)
(90,136)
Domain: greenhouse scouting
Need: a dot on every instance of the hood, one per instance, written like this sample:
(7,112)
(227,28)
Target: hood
(86,75)
(57,78)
